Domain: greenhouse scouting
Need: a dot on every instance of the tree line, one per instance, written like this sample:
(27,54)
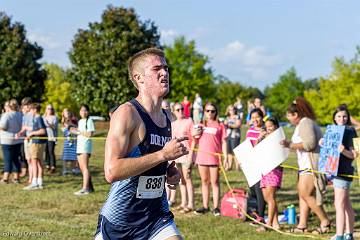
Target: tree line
(98,74)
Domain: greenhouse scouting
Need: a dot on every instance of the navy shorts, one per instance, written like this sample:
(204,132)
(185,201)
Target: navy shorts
(109,231)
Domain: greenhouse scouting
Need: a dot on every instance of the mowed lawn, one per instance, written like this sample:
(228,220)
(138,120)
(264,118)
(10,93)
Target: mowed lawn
(56,213)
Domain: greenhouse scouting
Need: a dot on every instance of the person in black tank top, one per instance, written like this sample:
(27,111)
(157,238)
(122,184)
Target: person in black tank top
(138,148)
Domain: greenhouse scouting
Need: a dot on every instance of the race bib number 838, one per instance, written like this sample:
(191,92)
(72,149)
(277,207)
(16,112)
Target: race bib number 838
(150,187)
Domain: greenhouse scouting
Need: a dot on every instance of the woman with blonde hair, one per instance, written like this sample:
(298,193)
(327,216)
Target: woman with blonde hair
(69,122)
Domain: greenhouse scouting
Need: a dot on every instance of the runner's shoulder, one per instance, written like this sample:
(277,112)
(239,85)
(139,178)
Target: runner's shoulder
(125,114)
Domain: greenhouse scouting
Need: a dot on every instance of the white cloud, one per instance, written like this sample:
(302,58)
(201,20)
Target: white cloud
(254,61)
(45,41)
(168,36)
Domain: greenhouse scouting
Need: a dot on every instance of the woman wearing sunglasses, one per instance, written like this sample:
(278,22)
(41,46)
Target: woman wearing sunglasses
(211,137)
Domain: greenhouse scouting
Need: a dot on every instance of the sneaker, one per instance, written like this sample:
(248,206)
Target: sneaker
(348,236)
(31,187)
(76,171)
(216,212)
(201,211)
(82,192)
(40,186)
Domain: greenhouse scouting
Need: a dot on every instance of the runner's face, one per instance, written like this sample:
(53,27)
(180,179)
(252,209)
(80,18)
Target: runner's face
(341,118)
(156,76)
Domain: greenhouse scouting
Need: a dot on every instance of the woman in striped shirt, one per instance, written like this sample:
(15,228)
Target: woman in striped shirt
(253,134)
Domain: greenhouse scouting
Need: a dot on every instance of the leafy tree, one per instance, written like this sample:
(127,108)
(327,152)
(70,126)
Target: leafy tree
(342,86)
(188,71)
(227,92)
(58,90)
(283,92)
(311,84)
(20,73)
(100,55)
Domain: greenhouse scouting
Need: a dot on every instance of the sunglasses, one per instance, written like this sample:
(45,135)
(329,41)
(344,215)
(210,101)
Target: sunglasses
(209,110)
(179,109)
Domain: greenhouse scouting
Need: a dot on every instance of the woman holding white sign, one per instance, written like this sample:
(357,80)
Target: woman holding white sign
(305,142)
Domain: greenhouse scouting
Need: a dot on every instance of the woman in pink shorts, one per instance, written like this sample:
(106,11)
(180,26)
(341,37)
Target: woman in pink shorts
(211,137)
(272,181)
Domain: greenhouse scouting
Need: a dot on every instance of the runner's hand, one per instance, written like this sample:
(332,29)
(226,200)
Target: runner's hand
(175,149)
(173,176)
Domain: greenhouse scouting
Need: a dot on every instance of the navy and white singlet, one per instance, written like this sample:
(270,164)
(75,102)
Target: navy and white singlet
(125,213)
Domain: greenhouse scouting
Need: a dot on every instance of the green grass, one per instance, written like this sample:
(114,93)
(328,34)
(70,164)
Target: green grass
(55,211)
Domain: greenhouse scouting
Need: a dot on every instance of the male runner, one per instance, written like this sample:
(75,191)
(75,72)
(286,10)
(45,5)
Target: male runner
(138,148)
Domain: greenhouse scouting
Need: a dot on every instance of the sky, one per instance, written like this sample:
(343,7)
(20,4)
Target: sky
(251,42)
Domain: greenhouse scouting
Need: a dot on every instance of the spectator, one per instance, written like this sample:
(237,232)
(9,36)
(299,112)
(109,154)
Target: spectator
(345,215)
(27,124)
(233,125)
(250,107)
(311,185)
(182,127)
(253,133)
(197,109)
(212,139)
(84,132)
(10,124)
(69,123)
(258,104)
(187,106)
(51,123)
(239,108)
(37,147)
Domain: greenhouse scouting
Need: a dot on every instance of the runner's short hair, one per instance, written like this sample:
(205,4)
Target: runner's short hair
(139,57)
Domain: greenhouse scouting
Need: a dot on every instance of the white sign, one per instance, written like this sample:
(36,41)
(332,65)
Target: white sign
(262,158)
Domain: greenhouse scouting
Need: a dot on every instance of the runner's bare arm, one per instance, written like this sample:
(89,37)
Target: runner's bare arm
(122,126)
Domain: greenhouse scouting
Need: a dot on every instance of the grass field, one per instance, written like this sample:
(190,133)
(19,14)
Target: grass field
(55,213)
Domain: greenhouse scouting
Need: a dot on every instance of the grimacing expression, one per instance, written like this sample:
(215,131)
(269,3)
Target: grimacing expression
(341,118)
(155,76)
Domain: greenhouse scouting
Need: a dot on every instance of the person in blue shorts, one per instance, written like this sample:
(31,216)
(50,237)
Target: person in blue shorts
(138,148)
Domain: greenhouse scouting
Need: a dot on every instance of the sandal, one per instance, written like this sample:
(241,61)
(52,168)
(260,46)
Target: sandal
(186,210)
(299,230)
(322,229)
(4,181)
(261,229)
(178,208)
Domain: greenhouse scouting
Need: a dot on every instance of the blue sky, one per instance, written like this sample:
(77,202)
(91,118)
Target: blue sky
(251,42)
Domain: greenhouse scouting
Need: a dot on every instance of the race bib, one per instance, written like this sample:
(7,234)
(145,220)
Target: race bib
(150,187)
